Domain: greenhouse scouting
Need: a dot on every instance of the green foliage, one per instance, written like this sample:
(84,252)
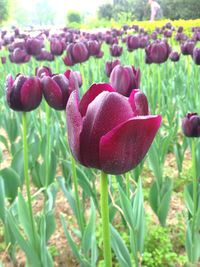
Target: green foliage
(105,11)
(73,16)
(3,10)
(181,9)
(159,249)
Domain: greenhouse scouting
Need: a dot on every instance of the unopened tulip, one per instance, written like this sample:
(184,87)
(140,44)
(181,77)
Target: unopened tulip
(110,66)
(43,71)
(196,55)
(191,125)
(124,79)
(33,46)
(174,56)
(116,50)
(23,93)
(157,52)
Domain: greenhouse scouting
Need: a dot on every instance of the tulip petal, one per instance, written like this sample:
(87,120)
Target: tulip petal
(107,110)
(31,94)
(74,124)
(91,94)
(125,146)
(53,93)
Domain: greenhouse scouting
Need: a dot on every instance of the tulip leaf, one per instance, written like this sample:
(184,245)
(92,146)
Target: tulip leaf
(165,200)
(82,260)
(18,165)
(11,183)
(4,141)
(24,244)
(2,200)
(89,238)
(153,197)
(189,198)
(120,248)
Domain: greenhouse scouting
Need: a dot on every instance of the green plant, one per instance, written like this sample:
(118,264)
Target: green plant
(73,16)
(159,249)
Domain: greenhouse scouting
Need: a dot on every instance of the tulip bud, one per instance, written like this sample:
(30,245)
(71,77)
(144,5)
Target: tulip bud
(187,47)
(93,47)
(191,125)
(56,47)
(23,93)
(196,55)
(174,56)
(139,103)
(132,43)
(34,46)
(124,79)
(116,50)
(19,56)
(157,52)
(110,66)
(43,71)
(57,89)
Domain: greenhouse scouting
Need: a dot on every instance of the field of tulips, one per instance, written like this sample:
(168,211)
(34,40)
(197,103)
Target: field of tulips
(99,155)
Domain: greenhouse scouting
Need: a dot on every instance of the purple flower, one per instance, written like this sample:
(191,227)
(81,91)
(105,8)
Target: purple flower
(104,133)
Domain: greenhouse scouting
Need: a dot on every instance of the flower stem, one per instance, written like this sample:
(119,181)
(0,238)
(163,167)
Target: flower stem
(47,152)
(105,220)
(27,180)
(194,174)
(78,204)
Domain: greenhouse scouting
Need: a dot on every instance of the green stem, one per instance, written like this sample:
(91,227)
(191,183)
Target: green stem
(78,203)
(127,185)
(105,220)
(194,196)
(159,89)
(27,180)
(47,152)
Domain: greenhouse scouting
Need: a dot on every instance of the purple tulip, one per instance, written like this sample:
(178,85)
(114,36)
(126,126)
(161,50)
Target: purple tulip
(187,47)
(74,78)
(34,46)
(196,55)
(104,133)
(56,90)
(19,56)
(94,47)
(116,50)
(43,71)
(143,41)
(133,42)
(124,79)
(191,125)
(23,93)
(57,47)
(157,52)
(77,53)
(174,56)
(44,55)
(110,66)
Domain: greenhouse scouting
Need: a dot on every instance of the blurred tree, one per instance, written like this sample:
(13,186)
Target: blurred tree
(73,16)
(4,6)
(181,9)
(105,11)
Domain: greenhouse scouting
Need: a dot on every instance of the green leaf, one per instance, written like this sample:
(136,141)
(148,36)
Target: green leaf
(11,183)
(153,197)
(2,200)
(165,201)
(189,198)
(89,233)
(18,165)
(25,245)
(120,248)
(82,260)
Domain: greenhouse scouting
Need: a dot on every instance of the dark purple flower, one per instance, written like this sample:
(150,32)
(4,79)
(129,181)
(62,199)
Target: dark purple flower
(77,53)
(110,66)
(34,46)
(191,125)
(56,90)
(133,42)
(116,50)
(196,55)
(174,56)
(19,56)
(104,133)
(157,52)
(45,56)
(187,47)
(94,47)
(43,71)
(56,47)
(23,93)
(124,79)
